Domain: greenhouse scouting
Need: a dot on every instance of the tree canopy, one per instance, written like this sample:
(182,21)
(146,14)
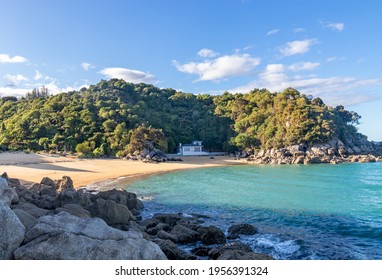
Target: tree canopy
(111,117)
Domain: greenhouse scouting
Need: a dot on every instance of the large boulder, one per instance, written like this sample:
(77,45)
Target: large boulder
(12,232)
(245,229)
(110,211)
(123,197)
(27,219)
(71,196)
(185,234)
(65,237)
(212,235)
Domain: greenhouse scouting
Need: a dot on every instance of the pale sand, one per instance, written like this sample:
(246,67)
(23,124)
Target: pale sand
(33,167)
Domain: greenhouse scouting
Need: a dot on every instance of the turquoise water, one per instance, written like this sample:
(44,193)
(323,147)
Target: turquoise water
(302,212)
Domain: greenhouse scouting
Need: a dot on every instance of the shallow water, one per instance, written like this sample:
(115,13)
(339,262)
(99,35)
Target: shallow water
(302,212)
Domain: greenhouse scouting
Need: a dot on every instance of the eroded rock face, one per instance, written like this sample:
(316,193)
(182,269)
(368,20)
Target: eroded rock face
(334,151)
(12,232)
(65,237)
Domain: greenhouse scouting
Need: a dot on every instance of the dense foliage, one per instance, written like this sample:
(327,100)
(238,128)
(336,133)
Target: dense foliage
(275,120)
(103,120)
(113,116)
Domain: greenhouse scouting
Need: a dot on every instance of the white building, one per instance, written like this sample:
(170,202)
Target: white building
(194,149)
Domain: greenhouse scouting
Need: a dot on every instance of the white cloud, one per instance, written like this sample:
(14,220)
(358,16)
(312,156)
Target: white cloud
(207,53)
(335,58)
(272,32)
(15,79)
(297,47)
(37,75)
(338,26)
(9,91)
(299,30)
(221,67)
(334,90)
(304,66)
(86,66)
(5,58)
(128,75)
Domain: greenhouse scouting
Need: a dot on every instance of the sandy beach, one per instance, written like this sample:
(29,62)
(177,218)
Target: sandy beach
(30,168)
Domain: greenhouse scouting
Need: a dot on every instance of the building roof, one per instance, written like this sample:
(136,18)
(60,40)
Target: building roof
(191,145)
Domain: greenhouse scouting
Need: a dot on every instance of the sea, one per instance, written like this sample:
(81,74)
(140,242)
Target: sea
(301,211)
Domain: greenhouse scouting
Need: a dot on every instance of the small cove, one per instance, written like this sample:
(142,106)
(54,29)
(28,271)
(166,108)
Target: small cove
(302,212)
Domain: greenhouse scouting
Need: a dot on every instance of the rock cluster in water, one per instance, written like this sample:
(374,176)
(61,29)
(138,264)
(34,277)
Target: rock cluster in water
(51,220)
(333,152)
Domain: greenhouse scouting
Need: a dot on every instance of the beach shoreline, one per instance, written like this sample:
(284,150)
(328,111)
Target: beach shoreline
(96,173)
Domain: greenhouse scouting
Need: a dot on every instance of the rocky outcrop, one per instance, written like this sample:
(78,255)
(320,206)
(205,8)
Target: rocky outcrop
(12,232)
(148,154)
(52,220)
(65,237)
(334,152)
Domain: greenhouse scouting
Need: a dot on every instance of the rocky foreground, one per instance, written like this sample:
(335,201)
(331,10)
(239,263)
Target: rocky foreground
(333,152)
(51,220)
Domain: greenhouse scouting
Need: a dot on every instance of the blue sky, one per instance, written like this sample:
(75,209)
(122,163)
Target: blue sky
(329,49)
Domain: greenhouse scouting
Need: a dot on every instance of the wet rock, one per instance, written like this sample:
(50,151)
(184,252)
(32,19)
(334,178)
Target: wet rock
(240,255)
(245,229)
(184,234)
(312,160)
(212,235)
(201,251)
(157,228)
(172,251)
(167,236)
(215,253)
(170,219)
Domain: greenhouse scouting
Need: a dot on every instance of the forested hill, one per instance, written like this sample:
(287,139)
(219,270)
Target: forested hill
(113,116)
